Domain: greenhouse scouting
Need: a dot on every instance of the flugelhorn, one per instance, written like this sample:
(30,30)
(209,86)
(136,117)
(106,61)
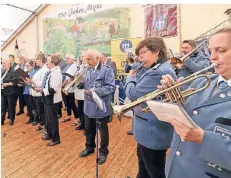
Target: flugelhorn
(172,94)
(77,80)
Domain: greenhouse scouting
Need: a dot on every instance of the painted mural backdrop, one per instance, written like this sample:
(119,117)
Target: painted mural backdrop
(94,30)
(161,20)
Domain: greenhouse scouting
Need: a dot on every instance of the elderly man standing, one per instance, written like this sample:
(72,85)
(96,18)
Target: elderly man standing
(102,79)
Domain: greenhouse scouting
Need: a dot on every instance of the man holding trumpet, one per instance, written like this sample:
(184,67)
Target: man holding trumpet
(205,151)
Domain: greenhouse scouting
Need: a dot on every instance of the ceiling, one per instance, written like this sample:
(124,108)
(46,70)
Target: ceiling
(12,16)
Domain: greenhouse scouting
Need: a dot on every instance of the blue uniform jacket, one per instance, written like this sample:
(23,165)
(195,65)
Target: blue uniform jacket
(193,64)
(147,129)
(212,158)
(103,80)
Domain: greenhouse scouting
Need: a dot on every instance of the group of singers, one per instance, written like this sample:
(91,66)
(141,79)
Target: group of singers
(204,151)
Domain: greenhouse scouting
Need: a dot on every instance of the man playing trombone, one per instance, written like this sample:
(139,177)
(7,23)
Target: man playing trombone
(194,62)
(205,151)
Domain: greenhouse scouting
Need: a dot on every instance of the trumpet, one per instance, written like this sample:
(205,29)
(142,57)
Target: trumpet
(77,80)
(172,94)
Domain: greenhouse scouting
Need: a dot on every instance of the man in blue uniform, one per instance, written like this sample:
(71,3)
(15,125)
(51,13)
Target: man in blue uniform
(102,79)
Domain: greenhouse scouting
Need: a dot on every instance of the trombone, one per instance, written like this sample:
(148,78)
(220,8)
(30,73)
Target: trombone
(77,80)
(173,93)
(178,62)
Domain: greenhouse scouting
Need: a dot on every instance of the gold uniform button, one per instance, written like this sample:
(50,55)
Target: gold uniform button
(195,112)
(178,153)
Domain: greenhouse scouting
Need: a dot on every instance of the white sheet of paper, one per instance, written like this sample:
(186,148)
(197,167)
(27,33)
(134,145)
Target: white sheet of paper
(98,101)
(167,110)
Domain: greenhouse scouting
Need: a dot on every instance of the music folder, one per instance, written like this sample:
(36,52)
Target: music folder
(19,74)
(163,111)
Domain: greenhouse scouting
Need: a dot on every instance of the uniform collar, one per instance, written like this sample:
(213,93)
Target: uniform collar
(105,62)
(97,66)
(220,78)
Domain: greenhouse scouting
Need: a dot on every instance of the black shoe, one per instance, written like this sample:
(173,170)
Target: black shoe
(11,123)
(85,153)
(20,113)
(79,128)
(110,119)
(53,143)
(34,123)
(102,159)
(130,132)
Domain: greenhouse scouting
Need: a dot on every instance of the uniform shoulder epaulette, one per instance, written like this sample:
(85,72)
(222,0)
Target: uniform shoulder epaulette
(106,65)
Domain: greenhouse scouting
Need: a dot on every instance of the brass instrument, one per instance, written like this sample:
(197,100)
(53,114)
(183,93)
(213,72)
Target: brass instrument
(173,93)
(178,63)
(77,80)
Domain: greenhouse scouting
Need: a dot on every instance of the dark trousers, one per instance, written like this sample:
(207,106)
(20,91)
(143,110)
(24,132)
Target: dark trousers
(30,107)
(81,113)
(151,162)
(40,108)
(64,96)
(22,101)
(59,108)
(71,106)
(52,123)
(90,130)
(8,103)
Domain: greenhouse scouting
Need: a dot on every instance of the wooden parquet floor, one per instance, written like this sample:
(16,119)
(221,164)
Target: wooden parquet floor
(25,155)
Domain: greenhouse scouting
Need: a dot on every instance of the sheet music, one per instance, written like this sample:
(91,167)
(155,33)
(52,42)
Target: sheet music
(167,110)
(100,103)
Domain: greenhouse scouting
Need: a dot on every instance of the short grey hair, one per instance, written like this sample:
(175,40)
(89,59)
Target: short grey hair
(95,53)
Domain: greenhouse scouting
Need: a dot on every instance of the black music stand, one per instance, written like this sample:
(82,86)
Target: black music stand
(100,105)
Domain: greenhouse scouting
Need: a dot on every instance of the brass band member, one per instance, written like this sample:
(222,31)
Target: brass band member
(205,151)
(195,62)
(102,79)
(79,94)
(152,136)
(70,97)
(8,92)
